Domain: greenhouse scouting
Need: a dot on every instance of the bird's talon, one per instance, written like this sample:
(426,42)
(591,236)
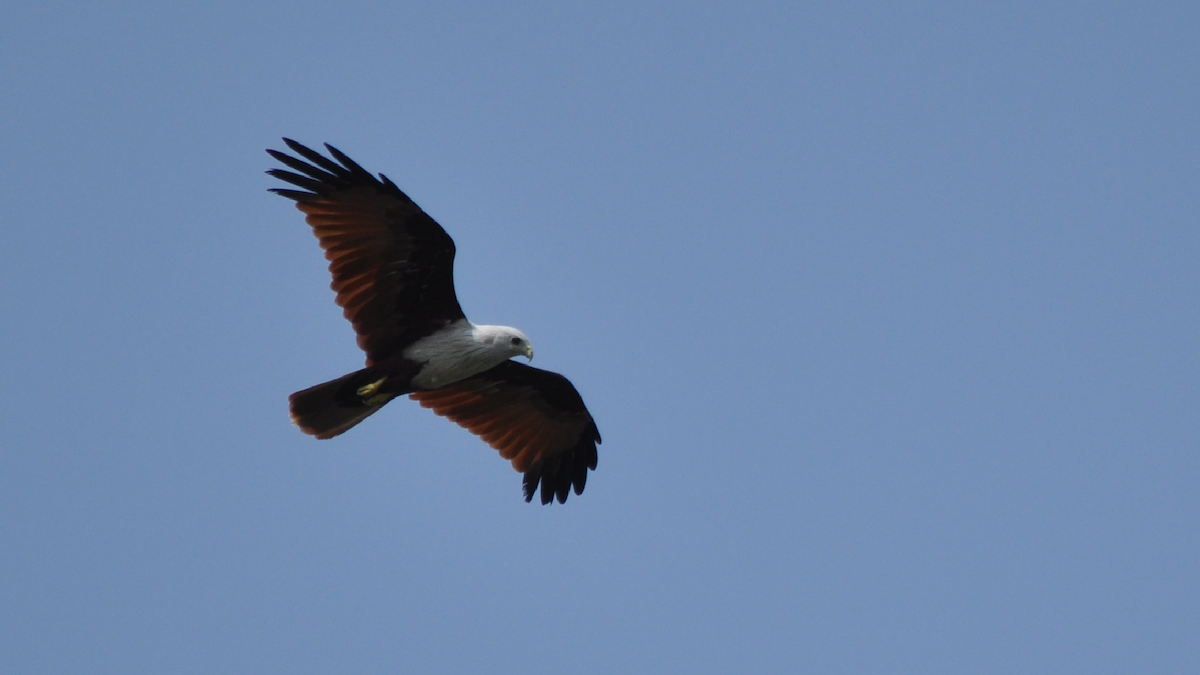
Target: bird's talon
(368,390)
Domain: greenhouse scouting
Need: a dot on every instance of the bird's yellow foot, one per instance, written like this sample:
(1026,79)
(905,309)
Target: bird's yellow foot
(370,393)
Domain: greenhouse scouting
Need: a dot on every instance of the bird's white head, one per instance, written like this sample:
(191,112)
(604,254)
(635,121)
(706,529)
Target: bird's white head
(510,341)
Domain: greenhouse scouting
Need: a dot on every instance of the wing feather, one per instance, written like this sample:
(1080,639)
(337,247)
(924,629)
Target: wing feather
(313,156)
(392,265)
(532,417)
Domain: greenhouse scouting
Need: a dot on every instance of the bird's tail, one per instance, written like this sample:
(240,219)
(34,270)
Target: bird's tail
(331,408)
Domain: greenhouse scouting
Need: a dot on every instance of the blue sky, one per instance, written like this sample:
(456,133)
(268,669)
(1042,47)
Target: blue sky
(886,313)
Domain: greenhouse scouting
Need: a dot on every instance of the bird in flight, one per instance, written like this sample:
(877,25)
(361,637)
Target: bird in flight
(393,273)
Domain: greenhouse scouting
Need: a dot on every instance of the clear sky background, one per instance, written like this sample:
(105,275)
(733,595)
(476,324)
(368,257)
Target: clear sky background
(887,313)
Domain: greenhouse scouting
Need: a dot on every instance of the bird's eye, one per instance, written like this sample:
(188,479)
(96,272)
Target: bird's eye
(515,341)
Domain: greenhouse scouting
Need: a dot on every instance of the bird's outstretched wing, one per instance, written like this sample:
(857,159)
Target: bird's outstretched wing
(533,417)
(392,265)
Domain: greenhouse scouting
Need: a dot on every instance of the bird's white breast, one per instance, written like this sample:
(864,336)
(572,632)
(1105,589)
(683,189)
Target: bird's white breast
(453,353)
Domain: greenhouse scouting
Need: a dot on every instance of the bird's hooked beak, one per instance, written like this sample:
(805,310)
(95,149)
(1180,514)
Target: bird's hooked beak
(528,351)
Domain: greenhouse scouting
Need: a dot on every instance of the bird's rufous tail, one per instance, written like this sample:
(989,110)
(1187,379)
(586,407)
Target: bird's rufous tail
(331,408)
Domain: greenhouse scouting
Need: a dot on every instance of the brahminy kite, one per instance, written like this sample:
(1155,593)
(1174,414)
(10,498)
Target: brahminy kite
(393,273)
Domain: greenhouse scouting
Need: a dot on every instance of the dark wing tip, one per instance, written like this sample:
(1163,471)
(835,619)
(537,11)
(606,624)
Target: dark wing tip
(348,163)
(563,474)
(323,175)
(316,187)
(320,174)
(295,195)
